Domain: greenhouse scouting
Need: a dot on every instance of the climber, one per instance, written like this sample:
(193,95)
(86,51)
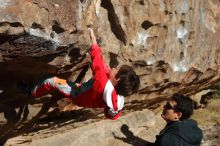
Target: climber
(180,130)
(105,90)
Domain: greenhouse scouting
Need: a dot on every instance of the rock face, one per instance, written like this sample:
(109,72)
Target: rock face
(125,130)
(172,44)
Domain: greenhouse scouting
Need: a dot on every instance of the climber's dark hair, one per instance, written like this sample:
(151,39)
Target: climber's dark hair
(128,81)
(184,104)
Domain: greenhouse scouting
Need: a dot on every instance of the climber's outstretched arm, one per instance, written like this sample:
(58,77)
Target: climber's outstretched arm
(92,36)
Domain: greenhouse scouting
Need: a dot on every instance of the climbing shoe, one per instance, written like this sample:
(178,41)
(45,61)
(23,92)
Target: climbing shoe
(24,88)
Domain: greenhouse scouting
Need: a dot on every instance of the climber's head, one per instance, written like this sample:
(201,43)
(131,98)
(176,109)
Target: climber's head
(124,79)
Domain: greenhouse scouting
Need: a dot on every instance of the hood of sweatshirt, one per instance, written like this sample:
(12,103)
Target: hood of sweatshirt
(188,130)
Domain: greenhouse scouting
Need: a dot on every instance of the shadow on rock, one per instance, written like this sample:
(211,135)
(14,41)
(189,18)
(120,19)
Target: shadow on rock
(131,138)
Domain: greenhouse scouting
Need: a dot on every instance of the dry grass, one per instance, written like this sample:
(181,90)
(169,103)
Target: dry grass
(210,115)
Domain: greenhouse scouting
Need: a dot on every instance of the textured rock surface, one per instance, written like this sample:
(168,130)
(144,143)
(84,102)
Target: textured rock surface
(136,129)
(126,128)
(172,44)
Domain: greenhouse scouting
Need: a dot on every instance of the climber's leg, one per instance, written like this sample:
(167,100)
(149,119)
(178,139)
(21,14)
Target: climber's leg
(51,84)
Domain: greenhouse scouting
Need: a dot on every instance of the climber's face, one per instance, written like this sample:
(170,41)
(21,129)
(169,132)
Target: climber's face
(169,113)
(112,75)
